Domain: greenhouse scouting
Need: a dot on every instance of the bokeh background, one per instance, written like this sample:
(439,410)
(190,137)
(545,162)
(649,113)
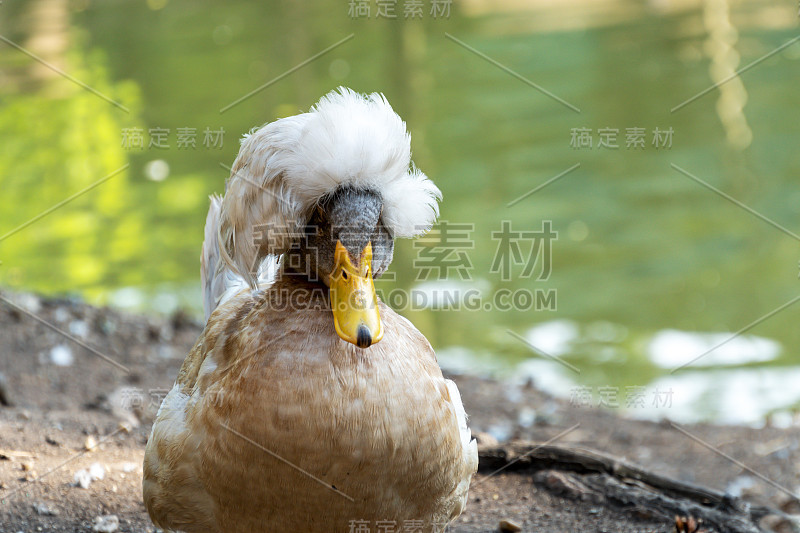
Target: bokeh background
(650,269)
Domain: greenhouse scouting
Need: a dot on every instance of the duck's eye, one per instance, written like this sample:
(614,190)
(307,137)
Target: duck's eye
(344,274)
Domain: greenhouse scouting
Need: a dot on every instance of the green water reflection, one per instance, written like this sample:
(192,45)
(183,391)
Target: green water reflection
(641,246)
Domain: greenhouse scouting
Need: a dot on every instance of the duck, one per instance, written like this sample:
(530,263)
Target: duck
(307,403)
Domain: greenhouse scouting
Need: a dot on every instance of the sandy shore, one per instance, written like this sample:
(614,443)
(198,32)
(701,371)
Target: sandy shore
(71,408)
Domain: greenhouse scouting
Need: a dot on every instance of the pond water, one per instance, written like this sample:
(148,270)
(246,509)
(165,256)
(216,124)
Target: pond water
(672,209)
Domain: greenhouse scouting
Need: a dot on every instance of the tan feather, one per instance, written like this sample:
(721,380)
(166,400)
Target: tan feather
(381,425)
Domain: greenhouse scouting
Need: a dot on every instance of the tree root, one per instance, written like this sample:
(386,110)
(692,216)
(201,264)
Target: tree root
(588,475)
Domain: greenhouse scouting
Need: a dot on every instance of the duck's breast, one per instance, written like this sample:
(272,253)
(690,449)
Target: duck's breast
(305,412)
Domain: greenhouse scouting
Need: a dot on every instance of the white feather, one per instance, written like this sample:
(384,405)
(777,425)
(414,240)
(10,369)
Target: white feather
(469,446)
(212,279)
(219,282)
(285,167)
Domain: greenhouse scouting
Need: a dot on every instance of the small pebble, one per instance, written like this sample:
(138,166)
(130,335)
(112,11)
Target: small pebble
(97,471)
(108,326)
(79,328)
(29,302)
(106,523)
(508,526)
(83,478)
(90,443)
(61,355)
(485,440)
(526,417)
(5,395)
(60,315)
(44,510)
(501,431)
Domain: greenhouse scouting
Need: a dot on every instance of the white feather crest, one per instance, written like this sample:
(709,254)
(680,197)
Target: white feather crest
(285,167)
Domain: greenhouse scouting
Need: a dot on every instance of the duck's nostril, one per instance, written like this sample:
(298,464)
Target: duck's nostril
(363,337)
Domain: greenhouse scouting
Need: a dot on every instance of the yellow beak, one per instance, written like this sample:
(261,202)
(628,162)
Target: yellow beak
(353,299)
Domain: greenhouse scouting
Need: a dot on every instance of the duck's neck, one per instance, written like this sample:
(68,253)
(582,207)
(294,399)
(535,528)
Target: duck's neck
(298,267)
(293,291)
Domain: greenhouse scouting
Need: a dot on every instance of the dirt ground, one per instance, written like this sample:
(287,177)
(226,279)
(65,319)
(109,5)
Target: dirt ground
(70,409)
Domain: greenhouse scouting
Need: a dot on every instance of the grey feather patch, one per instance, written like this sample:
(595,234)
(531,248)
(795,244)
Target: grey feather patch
(351,216)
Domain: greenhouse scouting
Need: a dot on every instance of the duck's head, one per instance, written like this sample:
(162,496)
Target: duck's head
(340,182)
(346,246)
